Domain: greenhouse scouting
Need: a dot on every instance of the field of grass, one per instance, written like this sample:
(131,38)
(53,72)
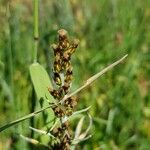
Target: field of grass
(107,30)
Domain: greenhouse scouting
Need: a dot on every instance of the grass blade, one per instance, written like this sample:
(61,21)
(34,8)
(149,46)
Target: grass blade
(23,118)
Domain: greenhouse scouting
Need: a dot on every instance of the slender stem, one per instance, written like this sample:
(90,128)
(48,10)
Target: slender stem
(9,52)
(36,28)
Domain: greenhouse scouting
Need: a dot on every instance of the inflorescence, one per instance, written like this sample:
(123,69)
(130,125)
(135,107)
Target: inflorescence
(62,76)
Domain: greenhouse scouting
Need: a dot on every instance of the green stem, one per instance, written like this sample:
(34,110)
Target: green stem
(36,27)
(9,52)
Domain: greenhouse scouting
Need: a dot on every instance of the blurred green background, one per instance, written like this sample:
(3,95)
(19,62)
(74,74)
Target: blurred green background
(107,29)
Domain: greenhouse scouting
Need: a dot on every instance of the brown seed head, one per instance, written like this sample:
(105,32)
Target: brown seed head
(62,33)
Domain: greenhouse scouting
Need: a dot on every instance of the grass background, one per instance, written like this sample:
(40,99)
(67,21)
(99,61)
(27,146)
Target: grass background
(107,29)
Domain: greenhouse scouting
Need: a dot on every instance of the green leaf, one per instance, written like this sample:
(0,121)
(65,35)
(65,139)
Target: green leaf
(2,128)
(41,82)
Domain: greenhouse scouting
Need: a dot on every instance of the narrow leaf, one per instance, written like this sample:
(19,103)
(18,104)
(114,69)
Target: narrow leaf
(23,118)
(94,77)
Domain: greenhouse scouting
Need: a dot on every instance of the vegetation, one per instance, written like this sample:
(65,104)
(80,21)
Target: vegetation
(107,30)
